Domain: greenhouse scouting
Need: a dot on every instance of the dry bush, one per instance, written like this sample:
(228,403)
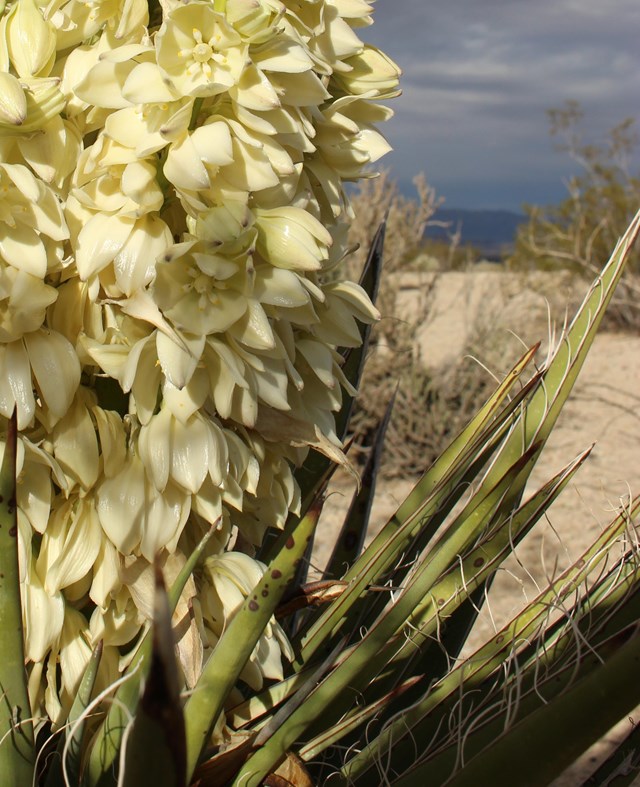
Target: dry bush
(407,219)
(431,406)
(580,232)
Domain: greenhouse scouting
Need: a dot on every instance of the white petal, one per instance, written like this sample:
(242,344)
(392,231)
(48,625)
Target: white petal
(146,85)
(34,497)
(22,247)
(70,545)
(16,389)
(56,368)
(164,522)
(190,453)
(121,503)
(75,446)
(101,238)
(106,574)
(179,362)
(184,167)
(43,617)
(134,263)
(112,439)
(154,448)
(213,143)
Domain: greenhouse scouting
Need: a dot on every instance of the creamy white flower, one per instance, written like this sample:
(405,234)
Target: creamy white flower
(201,164)
(70,544)
(135,516)
(119,623)
(199,52)
(75,445)
(130,245)
(31,219)
(44,360)
(370,70)
(183,452)
(196,158)
(13,102)
(78,20)
(24,299)
(43,616)
(232,577)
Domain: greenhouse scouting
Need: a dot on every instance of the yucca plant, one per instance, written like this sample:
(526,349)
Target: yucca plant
(375,692)
(172,344)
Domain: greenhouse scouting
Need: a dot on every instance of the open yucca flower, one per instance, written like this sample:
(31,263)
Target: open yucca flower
(172,344)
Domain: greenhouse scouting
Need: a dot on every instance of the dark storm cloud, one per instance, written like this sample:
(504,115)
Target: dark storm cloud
(479,75)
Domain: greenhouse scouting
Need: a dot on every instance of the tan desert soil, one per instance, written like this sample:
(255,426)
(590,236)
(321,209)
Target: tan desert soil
(604,409)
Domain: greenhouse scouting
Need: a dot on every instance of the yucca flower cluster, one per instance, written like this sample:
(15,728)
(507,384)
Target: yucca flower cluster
(172,213)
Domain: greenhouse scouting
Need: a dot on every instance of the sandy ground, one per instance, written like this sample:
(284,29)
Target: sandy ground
(604,409)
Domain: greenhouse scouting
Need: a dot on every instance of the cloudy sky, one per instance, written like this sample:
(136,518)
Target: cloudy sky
(478,78)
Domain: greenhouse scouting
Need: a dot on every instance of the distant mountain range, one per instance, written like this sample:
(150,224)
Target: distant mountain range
(491,231)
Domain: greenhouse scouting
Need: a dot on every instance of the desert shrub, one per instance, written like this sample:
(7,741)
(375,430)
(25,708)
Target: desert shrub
(431,403)
(578,233)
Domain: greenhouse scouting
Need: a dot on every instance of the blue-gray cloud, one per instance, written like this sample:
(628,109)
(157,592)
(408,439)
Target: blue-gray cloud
(478,77)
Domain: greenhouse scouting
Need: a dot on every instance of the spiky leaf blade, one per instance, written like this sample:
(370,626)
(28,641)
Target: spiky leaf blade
(16,729)
(106,745)
(155,749)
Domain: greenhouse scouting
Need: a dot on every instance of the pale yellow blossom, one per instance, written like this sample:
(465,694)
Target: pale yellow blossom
(199,51)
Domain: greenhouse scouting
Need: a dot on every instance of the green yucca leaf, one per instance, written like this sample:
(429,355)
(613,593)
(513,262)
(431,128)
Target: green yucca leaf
(155,748)
(106,746)
(356,357)
(354,721)
(67,766)
(589,709)
(621,768)
(361,664)
(16,729)
(559,376)
(236,644)
(466,576)
(455,577)
(433,497)
(396,742)
(349,542)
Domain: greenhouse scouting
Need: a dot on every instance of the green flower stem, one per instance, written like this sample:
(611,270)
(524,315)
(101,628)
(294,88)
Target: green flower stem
(16,728)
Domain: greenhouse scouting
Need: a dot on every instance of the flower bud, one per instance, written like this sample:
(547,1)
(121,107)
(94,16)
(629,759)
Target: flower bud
(291,238)
(31,40)
(372,72)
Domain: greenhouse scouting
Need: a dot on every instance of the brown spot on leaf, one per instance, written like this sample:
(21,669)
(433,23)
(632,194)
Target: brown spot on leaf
(276,574)
(291,542)
(254,606)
